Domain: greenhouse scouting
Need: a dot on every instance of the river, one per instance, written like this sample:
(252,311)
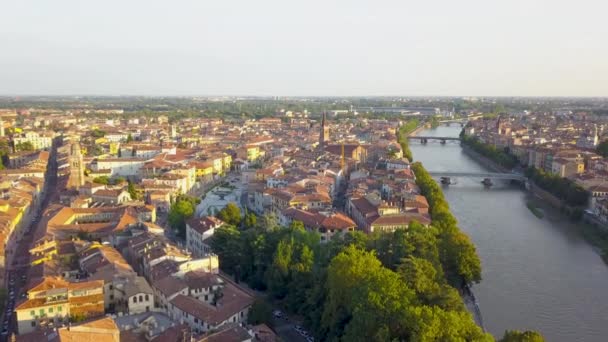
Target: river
(538,274)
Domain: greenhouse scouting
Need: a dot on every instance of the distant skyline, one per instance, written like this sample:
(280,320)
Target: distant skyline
(304,48)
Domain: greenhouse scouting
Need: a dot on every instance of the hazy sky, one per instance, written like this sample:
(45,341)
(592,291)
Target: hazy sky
(292,47)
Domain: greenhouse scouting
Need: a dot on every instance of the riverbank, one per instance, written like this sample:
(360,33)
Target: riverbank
(449,233)
(459,256)
(596,235)
(558,203)
(535,210)
(537,274)
(403,132)
(484,161)
(419,129)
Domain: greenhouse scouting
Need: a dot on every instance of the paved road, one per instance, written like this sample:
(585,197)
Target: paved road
(284,327)
(18,263)
(286,330)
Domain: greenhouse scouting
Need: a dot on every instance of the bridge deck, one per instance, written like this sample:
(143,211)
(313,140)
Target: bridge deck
(420,137)
(493,175)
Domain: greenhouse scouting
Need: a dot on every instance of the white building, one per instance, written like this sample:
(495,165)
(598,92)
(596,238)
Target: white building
(120,166)
(229,305)
(39,141)
(198,230)
(138,294)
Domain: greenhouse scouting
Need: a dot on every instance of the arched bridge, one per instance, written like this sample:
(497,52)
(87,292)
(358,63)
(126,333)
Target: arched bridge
(484,175)
(424,139)
(454,120)
(420,137)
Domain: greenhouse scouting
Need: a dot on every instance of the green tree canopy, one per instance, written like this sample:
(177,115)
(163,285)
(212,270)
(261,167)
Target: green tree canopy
(102,180)
(456,251)
(230,214)
(499,156)
(97,133)
(518,336)
(180,212)
(563,188)
(261,312)
(24,146)
(132,191)
(250,220)
(402,134)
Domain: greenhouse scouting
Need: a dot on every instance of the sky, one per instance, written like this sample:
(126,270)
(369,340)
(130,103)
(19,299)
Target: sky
(304,48)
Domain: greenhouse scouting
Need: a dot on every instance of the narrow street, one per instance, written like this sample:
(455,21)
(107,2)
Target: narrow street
(17,264)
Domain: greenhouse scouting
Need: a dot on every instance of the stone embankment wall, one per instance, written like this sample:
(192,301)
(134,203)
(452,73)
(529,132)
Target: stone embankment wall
(544,195)
(530,186)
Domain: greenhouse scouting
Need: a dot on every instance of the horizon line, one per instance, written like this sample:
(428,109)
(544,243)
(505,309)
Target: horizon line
(304,96)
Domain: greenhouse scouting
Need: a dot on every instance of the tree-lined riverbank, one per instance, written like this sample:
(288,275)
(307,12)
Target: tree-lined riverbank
(537,274)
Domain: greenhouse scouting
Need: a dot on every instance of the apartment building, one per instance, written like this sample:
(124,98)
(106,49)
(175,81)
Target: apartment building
(54,300)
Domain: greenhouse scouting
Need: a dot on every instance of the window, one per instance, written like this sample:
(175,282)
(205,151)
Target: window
(135,299)
(147,308)
(147,298)
(196,320)
(32,313)
(50,310)
(59,308)
(206,297)
(41,312)
(33,323)
(141,298)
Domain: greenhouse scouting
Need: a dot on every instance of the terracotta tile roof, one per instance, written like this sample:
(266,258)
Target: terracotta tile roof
(163,269)
(364,206)
(86,300)
(229,333)
(331,221)
(99,330)
(48,283)
(175,333)
(205,223)
(169,285)
(36,302)
(232,302)
(264,333)
(398,219)
(200,279)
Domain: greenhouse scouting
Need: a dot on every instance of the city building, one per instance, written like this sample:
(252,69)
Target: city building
(198,231)
(54,300)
